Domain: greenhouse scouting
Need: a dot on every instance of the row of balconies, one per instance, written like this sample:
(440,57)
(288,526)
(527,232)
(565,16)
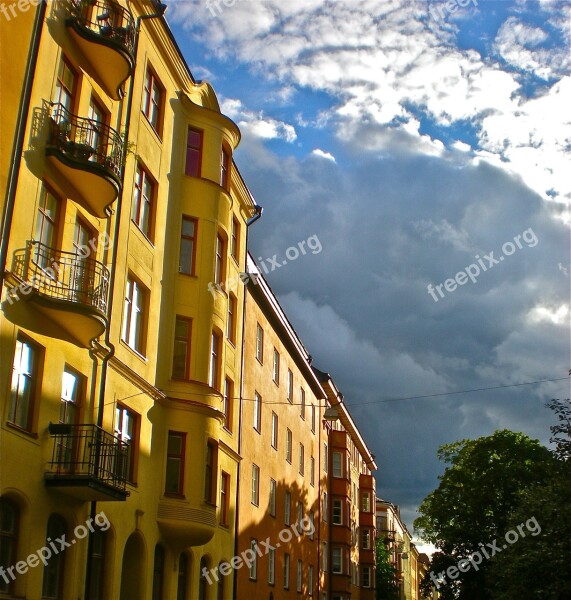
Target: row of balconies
(66,295)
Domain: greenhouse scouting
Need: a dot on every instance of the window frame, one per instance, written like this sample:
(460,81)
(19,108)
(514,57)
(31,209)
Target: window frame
(257,421)
(181,457)
(10,540)
(140,342)
(253,571)
(133,442)
(188,341)
(255,496)
(340,465)
(150,84)
(235,239)
(232,318)
(271,566)
(276,367)
(301,459)
(224,498)
(289,445)
(274,436)
(272,498)
(219,277)
(228,396)
(302,403)
(197,149)
(334,551)
(260,343)
(287,566)
(225,166)
(138,188)
(210,472)
(289,386)
(337,519)
(215,362)
(287,508)
(192,240)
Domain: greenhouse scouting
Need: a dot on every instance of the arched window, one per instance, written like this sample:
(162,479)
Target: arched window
(54,570)
(203,583)
(158,572)
(182,588)
(9,517)
(220,591)
(97,558)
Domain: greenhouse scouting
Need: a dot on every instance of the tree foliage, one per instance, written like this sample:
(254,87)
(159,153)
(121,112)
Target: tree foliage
(478,492)
(385,574)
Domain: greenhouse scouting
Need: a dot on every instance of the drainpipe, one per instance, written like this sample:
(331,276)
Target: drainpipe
(257,214)
(111,347)
(18,146)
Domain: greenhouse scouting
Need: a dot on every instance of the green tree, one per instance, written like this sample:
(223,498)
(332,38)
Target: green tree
(385,574)
(476,497)
(539,567)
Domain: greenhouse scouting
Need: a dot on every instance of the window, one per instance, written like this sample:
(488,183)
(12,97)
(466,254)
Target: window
(231,321)
(255,484)
(158,573)
(52,586)
(311,524)
(47,222)
(214,375)
(274,430)
(367,577)
(337,512)
(219,260)
(225,158)
(25,379)
(181,348)
(289,444)
(299,515)
(210,470)
(259,343)
(313,418)
(289,386)
(310,580)
(254,563)
(337,560)
(299,575)
(366,502)
(143,196)
(97,561)
(257,412)
(235,239)
(325,458)
(271,566)
(153,100)
(203,583)
(174,481)
(312,471)
(287,508)
(66,85)
(276,367)
(337,464)
(193,152)
(224,497)
(302,403)
(134,315)
(324,557)
(286,571)
(187,258)
(325,507)
(220,589)
(9,521)
(227,403)
(182,584)
(366,539)
(301,459)
(127,431)
(272,503)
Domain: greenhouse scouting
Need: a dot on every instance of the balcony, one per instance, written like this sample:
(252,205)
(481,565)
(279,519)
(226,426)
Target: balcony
(87,463)
(184,524)
(89,156)
(59,294)
(106,34)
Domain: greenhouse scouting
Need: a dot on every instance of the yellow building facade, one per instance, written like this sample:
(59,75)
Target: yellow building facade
(123,217)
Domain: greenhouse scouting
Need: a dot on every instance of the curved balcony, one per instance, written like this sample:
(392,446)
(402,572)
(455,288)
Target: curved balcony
(106,34)
(59,294)
(184,525)
(89,156)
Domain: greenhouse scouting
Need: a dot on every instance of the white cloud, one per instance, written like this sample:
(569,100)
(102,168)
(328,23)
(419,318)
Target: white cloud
(323,154)
(256,123)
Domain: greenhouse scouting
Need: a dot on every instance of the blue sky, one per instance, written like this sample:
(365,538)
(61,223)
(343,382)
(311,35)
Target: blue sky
(410,139)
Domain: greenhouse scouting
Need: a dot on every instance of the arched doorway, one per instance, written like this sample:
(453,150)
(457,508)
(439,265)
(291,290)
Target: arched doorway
(133,569)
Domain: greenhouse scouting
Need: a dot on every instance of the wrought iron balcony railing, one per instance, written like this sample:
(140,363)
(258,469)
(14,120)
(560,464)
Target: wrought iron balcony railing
(89,453)
(85,140)
(107,19)
(63,275)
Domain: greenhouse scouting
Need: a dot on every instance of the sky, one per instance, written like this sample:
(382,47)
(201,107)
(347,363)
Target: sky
(408,143)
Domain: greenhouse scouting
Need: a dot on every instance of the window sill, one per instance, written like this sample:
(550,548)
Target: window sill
(191,275)
(173,496)
(142,233)
(25,432)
